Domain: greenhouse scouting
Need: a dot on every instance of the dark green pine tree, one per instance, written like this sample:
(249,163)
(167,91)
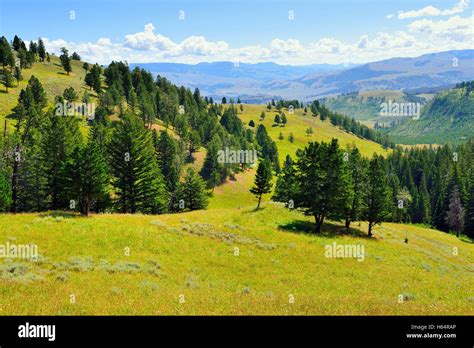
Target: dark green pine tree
(469,214)
(5,193)
(65,60)
(32,179)
(212,171)
(137,178)
(286,189)
(169,159)
(423,208)
(324,182)
(89,179)
(61,136)
(263,181)
(378,194)
(358,171)
(41,50)
(192,192)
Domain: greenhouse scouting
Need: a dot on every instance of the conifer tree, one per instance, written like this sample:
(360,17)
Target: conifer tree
(88,177)
(192,191)
(378,194)
(137,178)
(263,180)
(65,60)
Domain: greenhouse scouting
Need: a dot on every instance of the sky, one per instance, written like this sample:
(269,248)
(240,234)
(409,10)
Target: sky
(296,32)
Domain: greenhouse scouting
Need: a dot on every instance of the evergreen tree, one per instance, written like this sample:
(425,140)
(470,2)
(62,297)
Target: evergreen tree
(88,176)
(5,193)
(263,181)
(358,168)
(469,215)
(378,194)
(169,159)
(41,50)
(213,171)
(286,188)
(324,182)
(455,214)
(193,191)
(7,80)
(137,178)
(65,60)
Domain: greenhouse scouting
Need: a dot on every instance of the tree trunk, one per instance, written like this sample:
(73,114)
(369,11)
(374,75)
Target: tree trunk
(348,223)
(370,228)
(259,200)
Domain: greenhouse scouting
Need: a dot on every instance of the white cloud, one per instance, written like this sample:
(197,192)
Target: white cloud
(364,40)
(454,28)
(460,7)
(104,41)
(421,36)
(389,16)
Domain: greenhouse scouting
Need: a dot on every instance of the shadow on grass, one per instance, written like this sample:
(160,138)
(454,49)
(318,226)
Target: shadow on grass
(62,214)
(328,229)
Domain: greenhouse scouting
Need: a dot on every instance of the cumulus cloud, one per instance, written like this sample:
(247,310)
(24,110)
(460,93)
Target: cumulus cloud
(422,36)
(460,7)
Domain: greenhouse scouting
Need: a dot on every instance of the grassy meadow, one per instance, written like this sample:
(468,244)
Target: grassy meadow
(228,259)
(233,261)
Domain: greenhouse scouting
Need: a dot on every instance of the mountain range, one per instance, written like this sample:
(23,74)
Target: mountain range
(263,81)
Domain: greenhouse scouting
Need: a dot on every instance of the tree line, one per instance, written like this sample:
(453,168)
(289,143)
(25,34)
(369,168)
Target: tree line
(431,186)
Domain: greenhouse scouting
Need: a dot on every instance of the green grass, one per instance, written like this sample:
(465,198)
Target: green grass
(194,254)
(297,124)
(54,81)
(229,259)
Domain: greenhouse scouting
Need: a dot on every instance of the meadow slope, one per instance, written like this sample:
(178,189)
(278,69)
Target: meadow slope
(229,261)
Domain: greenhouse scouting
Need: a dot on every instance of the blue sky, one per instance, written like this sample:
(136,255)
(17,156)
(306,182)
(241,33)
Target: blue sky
(244,30)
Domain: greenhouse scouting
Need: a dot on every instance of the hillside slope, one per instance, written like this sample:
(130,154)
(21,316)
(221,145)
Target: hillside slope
(448,117)
(54,81)
(229,261)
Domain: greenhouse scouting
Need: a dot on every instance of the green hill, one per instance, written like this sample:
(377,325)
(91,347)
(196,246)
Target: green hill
(228,259)
(446,118)
(54,81)
(366,105)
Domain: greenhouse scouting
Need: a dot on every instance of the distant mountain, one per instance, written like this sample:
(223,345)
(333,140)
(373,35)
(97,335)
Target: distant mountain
(448,117)
(429,70)
(262,81)
(247,81)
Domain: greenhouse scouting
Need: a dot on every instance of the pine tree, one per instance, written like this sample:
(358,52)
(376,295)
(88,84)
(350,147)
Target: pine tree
(169,159)
(61,136)
(263,181)
(7,80)
(137,178)
(213,171)
(5,193)
(41,50)
(469,215)
(193,191)
(286,188)
(65,60)
(358,168)
(455,214)
(378,194)
(324,182)
(88,177)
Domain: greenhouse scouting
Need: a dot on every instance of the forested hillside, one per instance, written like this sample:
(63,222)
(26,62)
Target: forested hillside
(446,118)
